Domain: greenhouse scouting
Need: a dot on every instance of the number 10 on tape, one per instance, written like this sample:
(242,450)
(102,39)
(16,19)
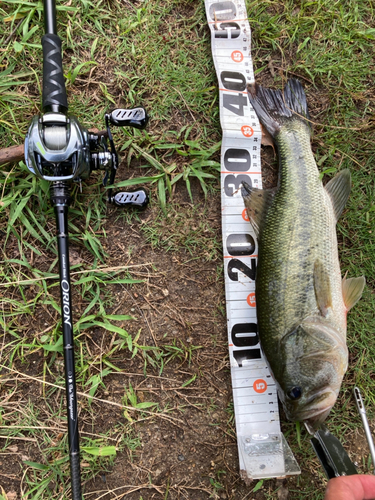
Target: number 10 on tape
(263,451)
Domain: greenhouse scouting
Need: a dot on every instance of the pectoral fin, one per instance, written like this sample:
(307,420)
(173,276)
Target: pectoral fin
(352,290)
(338,189)
(322,288)
(257,201)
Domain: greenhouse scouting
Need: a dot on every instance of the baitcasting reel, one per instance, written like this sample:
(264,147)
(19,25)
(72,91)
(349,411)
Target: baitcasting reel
(58,148)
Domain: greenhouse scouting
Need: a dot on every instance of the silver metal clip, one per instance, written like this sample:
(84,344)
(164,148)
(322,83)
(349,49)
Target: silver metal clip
(362,412)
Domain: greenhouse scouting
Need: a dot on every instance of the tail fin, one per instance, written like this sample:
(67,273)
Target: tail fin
(275,108)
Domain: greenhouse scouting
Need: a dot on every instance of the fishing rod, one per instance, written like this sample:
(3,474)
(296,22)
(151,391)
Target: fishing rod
(58,149)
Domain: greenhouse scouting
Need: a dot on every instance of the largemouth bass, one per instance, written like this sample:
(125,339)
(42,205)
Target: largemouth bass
(301,300)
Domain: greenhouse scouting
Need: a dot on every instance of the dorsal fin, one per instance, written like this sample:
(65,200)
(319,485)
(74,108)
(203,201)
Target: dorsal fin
(338,189)
(257,201)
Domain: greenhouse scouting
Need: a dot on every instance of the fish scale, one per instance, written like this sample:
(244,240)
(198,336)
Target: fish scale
(292,234)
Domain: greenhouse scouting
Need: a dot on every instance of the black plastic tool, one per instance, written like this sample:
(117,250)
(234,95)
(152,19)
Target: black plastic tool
(332,455)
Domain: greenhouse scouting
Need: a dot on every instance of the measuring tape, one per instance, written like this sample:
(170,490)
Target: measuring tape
(263,450)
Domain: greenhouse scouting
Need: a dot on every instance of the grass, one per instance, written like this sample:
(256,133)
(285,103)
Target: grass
(192,229)
(158,54)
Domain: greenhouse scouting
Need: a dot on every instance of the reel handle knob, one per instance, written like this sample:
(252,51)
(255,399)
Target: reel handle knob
(136,117)
(138,198)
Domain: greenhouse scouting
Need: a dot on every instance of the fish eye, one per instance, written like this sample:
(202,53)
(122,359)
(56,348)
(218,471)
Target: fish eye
(294,393)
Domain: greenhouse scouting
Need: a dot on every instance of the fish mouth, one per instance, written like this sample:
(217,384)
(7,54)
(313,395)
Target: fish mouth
(317,408)
(315,421)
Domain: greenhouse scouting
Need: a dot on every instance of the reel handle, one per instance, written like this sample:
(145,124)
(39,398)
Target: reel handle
(137,198)
(136,117)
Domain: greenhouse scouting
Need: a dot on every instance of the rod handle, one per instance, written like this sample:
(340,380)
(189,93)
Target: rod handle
(76,476)
(54,93)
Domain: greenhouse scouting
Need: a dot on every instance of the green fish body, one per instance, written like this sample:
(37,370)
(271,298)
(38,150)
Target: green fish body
(301,300)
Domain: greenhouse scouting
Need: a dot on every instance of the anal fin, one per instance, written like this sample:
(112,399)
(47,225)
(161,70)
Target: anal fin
(352,289)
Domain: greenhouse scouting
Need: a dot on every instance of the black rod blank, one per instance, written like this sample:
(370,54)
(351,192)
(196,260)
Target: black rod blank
(50,27)
(60,199)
